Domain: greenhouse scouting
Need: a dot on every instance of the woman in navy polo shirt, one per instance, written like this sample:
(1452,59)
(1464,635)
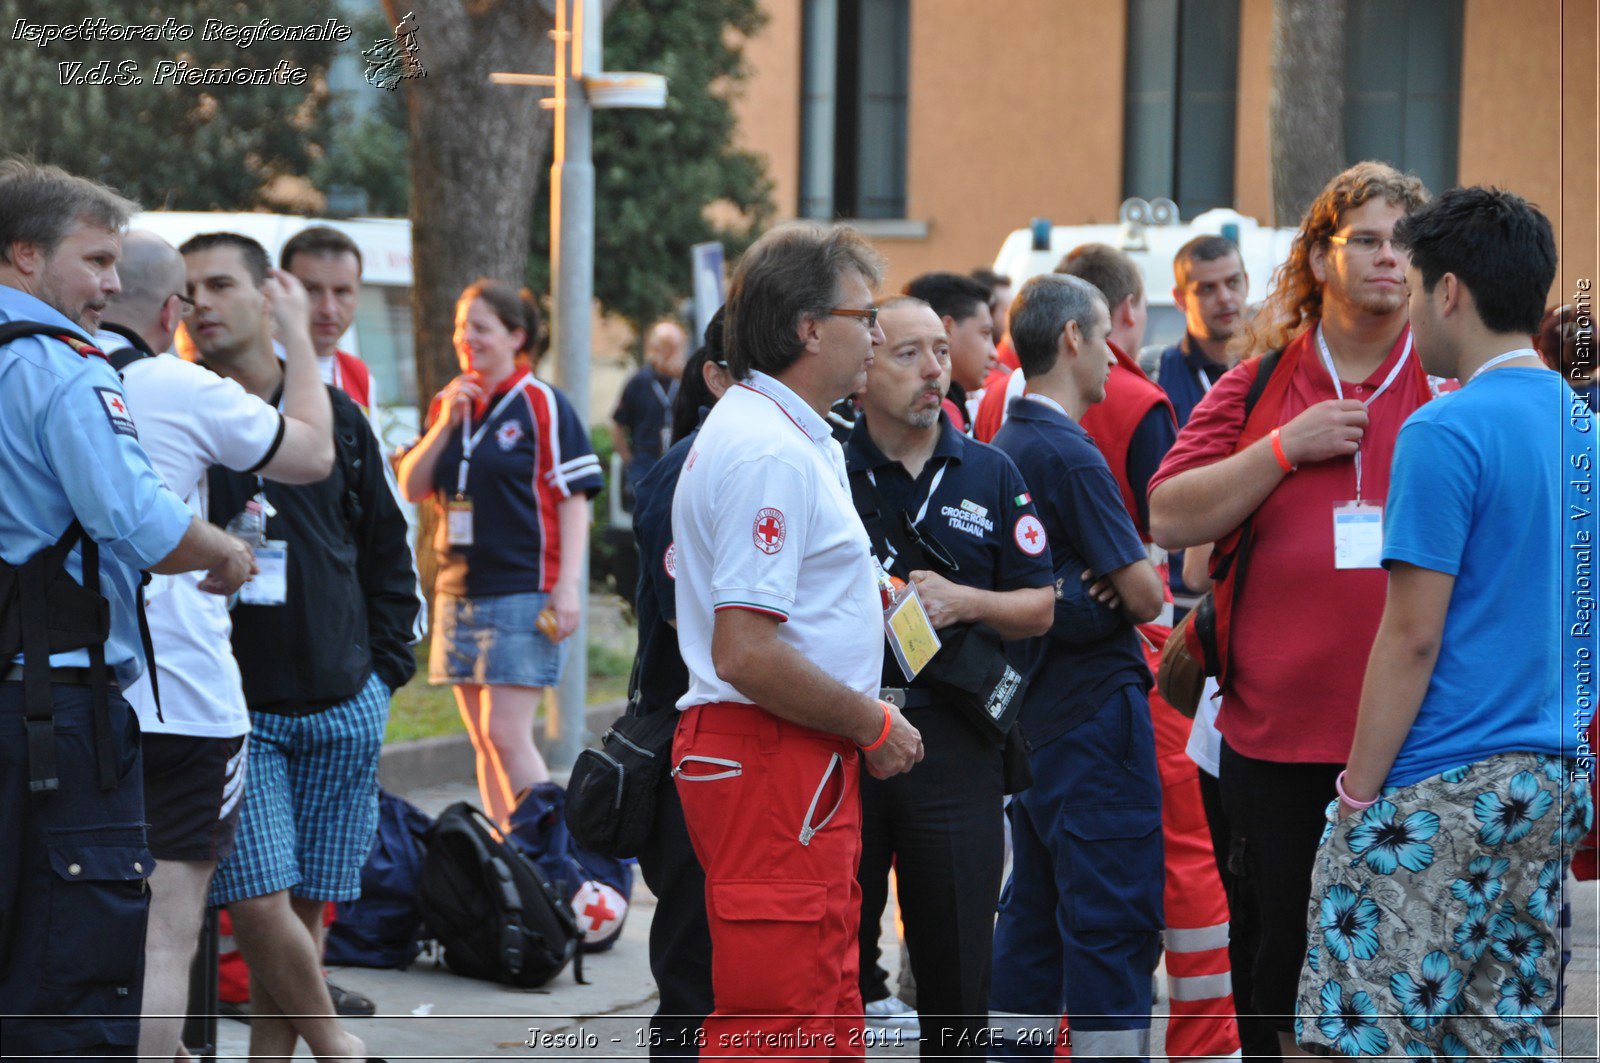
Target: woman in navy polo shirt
(507,460)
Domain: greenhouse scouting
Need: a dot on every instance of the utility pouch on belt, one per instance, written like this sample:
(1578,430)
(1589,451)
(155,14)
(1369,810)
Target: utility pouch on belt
(611,796)
(970,671)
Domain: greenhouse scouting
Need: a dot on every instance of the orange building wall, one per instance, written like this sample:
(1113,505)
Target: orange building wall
(1252,159)
(768,109)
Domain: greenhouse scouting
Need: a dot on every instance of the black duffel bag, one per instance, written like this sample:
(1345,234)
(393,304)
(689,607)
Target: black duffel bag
(611,797)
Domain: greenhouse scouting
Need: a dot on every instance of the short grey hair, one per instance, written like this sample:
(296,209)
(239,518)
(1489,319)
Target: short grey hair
(1040,313)
(40,205)
(151,270)
(791,273)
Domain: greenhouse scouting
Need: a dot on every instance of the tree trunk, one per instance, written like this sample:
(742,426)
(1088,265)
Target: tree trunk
(477,154)
(1307,133)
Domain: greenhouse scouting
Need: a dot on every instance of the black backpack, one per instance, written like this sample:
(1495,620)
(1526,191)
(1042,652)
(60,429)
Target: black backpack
(491,910)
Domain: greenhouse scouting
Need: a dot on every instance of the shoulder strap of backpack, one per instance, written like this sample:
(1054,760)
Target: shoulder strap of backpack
(16,330)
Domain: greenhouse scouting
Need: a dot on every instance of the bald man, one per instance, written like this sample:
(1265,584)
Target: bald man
(189,419)
(642,424)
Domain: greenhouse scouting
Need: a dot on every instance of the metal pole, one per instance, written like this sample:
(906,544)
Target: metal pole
(572,297)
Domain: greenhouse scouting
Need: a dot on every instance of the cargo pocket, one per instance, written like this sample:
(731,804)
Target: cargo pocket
(98,905)
(766,954)
(1112,877)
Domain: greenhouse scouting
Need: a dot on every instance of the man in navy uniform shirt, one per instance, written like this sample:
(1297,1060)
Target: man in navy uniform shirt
(641,427)
(941,826)
(1087,835)
(72,897)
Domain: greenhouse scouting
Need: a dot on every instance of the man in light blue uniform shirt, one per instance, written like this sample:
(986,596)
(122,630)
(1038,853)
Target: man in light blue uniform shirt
(72,903)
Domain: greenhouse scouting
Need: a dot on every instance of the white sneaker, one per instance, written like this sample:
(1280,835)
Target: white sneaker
(892,1013)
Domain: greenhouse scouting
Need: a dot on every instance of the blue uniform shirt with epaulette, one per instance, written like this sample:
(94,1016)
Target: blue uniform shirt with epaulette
(69,449)
(971,501)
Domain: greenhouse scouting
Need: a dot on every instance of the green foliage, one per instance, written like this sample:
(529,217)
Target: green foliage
(172,145)
(371,156)
(657,171)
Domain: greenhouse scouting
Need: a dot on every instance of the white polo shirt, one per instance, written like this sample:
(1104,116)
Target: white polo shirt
(190,419)
(762,520)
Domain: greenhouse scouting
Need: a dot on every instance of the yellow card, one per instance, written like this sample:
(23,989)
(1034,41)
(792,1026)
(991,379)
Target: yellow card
(911,635)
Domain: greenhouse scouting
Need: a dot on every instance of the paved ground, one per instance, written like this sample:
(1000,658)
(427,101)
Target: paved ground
(427,1012)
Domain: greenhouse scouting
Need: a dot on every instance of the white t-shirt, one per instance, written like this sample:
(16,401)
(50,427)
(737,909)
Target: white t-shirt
(190,419)
(762,520)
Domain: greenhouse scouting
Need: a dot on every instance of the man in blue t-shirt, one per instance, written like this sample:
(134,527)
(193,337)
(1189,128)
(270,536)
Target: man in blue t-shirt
(1461,800)
(1087,835)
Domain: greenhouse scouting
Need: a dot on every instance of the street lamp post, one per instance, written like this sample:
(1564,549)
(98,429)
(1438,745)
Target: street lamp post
(580,86)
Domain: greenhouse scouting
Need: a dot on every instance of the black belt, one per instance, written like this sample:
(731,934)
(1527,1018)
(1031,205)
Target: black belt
(907,697)
(69,676)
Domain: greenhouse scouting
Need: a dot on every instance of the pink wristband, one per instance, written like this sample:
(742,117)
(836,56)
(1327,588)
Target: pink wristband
(1338,787)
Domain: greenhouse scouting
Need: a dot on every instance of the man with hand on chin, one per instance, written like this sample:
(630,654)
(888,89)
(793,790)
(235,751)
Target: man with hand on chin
(1461,791)
(976,525)
(780,623)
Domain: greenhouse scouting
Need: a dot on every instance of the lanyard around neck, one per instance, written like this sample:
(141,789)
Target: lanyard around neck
(470,439)
(1338,387)
(933,487)
(1501,359)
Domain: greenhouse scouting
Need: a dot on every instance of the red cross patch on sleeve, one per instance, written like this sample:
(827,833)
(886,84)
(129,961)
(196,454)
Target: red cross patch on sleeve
(116,408)
(768,531)
(1029,534)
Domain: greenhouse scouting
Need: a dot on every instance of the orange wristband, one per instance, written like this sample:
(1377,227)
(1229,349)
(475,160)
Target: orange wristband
(1277,452)
(884,735)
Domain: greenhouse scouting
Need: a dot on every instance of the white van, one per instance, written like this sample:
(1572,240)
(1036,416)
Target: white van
(1151,234)
(382,335)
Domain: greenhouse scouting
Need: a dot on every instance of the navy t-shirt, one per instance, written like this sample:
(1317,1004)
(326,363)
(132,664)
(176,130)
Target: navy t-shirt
(1179,376)
(533,452)
(645,410)
(663,678)
(1090,651)
(971,501)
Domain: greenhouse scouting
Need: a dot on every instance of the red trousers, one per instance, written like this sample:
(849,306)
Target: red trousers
(774,814)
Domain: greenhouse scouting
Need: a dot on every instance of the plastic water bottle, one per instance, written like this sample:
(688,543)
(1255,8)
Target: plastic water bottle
(249,524)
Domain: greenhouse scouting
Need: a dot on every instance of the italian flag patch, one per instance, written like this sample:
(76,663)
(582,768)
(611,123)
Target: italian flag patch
(1022,499)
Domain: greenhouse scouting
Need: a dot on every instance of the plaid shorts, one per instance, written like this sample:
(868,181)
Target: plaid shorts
(1434,913)
(311,802)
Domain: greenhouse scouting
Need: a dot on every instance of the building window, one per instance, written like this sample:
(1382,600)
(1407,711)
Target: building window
(1402,86)
(1182,95)
(855,68)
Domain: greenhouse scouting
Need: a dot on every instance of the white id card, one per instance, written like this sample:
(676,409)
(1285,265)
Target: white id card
(1357,535)
(458,517)
(271,584)
(910,633)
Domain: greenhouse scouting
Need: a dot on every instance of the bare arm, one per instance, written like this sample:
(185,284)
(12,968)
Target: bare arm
(572,515)
(747,652)
(1138,587)
(415,473)
(228,560)
(1197,568)
(1398,671)
(1017,614)
(1203,505)
(306,453)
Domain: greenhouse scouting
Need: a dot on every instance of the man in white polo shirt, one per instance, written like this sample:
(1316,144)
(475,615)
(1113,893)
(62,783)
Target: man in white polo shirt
(781,626)
(190,419)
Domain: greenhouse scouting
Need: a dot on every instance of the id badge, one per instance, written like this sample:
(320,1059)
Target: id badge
(458,521)
(666,438)
(910,633)
(1357,535)
(271,584)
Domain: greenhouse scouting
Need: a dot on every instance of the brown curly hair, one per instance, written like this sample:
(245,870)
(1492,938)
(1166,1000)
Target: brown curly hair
(1295,298)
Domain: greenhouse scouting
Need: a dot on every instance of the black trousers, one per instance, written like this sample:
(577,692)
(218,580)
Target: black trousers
(680,940)
(942,828)
(1276,813)
(1257,1038)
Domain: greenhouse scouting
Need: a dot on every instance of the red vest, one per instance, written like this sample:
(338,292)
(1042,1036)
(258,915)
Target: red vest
(1130,396)
(351,375)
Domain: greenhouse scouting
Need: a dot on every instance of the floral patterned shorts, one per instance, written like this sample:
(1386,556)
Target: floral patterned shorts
(1432,921)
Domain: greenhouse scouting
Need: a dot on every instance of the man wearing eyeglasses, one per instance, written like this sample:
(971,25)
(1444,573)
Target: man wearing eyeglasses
(780,624)
(190,419)
(1292,493)
(952,517)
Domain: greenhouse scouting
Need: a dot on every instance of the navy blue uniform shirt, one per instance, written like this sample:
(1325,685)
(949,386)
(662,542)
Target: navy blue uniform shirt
(1179,376)
(663,678)
(532,455)
(1090,651)
(971,500)
(645,410)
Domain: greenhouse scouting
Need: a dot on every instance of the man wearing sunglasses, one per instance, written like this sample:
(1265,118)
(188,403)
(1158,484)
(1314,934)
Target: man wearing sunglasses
(190,419)
(922,488)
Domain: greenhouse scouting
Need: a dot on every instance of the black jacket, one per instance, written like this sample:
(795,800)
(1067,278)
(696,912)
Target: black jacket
(352,604)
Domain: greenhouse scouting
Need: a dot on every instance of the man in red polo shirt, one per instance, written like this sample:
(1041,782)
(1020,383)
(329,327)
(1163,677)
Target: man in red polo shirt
(1303,478)
(328,263)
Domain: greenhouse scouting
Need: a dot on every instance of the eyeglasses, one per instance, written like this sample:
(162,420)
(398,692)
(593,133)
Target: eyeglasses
(1366,245)
(869,315)
(185,304)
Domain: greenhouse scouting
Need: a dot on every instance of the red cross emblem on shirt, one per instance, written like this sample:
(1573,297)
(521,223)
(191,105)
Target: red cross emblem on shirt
(768,533)
(117,404)
(1029,535)
(598,911)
